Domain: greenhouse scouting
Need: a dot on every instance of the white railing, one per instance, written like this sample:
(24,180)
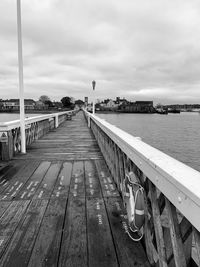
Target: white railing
(10,137)
(6,126)
(172,192)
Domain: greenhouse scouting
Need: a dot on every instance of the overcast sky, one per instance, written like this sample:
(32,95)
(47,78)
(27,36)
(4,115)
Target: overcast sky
(137,49)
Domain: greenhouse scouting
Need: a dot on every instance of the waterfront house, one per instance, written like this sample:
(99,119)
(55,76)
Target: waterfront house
(137,107)
(13,104)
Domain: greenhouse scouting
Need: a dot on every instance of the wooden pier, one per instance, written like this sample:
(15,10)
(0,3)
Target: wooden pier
(59,205)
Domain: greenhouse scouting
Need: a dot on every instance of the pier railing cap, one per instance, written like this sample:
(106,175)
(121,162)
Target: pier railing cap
(7,126)
(177,181)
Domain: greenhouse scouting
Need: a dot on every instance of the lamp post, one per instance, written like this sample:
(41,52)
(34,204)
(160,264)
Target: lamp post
(21,82)
(93,104)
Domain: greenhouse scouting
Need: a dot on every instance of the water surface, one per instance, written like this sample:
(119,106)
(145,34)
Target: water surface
(4,117)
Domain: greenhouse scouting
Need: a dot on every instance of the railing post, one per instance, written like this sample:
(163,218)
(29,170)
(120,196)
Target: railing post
(6,141)
(88,121)
(56,121)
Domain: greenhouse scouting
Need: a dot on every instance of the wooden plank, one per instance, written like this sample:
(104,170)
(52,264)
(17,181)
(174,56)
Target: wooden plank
(187,236)
(108,186)
(9,222)
(47,245)
(46,186)
(197,246)
(63,182)
(74,240)
(20,247)
(92,180)
(77,186)
(129,253)
(62,156)
(4,167)
(151,252)
(29,189)
(10,175)
(3,206)
(18,181)
(101,250)
(157,226)
(177,244)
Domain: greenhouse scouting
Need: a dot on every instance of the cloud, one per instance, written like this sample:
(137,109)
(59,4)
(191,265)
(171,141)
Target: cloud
(135,49)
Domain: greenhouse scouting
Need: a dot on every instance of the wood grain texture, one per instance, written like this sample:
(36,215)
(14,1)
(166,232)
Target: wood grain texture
(100,243)
(73,250)
(19,250)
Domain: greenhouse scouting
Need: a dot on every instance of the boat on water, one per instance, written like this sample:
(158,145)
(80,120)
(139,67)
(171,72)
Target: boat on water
(162,111)
(171,110)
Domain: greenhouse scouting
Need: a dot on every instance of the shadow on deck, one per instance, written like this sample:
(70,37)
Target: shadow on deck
(60,207)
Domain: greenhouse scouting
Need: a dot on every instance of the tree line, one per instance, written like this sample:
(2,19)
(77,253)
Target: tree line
(67,102)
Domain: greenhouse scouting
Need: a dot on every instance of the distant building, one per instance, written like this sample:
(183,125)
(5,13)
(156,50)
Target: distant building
(86,101)
(137,107)
(13,104)
(108,104)
(120,101)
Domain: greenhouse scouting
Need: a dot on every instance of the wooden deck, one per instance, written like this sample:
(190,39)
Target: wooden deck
(60,207)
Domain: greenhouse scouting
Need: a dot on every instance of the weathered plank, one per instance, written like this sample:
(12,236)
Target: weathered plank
(46,186)
(92,180)
(108,186)
(77,186)
(158,226)
(47,245)
(63,182)
(129,253)
(29,189)
(3,206)
(9,221)
(74,240)
(4,167)
(19,250)
(197,246)
(10,175)
(62,156)
(177,244)
(18,181)
(101,250)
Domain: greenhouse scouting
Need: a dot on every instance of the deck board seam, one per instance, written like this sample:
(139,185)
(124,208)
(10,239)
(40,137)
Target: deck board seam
(113,240)
(64,219)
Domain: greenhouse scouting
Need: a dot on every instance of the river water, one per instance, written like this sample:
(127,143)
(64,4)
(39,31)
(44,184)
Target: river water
(177,135)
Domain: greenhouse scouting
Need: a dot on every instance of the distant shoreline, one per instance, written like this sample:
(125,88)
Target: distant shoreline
(121,112)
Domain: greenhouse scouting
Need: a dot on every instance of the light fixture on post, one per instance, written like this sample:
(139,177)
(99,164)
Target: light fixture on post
(93,104)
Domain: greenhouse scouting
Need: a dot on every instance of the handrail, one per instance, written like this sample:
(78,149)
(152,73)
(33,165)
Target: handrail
(6,126)
(171,194)
(36,127)
(177,181)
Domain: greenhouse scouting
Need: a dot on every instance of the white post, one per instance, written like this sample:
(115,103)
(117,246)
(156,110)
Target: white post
(21,83)
(93,104)
(56,121)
